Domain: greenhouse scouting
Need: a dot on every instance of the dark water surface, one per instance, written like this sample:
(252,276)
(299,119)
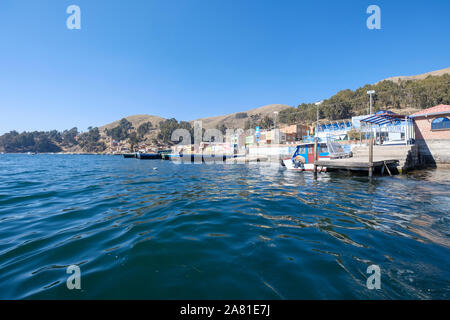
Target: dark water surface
(217,231)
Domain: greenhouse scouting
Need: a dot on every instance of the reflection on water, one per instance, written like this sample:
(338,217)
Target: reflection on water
(217,231)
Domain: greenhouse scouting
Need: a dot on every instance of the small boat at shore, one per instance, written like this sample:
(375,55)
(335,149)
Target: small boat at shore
(303,157)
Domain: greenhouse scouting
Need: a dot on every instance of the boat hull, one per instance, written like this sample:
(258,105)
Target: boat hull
(289,164)
(149,156)
(129,155)
(197,157)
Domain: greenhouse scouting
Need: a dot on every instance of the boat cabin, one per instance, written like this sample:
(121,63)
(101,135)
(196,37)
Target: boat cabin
(326,150)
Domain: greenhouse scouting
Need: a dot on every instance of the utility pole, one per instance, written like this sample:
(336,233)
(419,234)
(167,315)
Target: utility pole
(370,93)
(276,132)
(275,119)
(317,115)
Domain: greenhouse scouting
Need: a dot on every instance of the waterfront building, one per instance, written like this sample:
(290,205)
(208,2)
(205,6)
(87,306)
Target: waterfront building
(389,128)
(432,131)
(249,140)
(236,139)
(294,132)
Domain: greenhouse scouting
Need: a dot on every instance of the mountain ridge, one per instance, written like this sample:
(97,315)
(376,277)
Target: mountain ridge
(422,76)
(403,94)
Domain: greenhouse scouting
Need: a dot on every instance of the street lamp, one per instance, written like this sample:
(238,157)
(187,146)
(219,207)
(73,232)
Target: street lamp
(317,115)
(316,149)
(275,121)
(370,93)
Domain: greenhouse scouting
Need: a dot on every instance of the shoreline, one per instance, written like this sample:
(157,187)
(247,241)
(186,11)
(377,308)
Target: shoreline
(245,159)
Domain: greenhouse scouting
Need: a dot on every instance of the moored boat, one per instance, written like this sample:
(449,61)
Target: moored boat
(303,157)
(148,156)
(129,155)
(197,157)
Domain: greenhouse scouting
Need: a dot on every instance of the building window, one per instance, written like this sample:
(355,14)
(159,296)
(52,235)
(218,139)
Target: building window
(440,124)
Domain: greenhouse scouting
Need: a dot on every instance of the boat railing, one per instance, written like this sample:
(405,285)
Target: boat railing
(337,151)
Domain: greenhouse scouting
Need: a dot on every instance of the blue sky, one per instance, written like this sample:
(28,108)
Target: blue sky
(197,58)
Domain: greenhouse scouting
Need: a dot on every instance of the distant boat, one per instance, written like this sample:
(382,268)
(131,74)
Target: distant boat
(129,155)
(168,156)
(167,151)
(197,157)
(148,156)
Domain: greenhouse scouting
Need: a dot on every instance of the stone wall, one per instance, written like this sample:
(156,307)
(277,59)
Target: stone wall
(434,151)
(407,156)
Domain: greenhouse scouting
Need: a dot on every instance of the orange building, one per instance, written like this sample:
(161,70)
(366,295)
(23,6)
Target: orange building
(294,132)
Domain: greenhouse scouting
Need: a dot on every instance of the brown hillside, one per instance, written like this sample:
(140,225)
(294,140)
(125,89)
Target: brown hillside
(420,76)
(136,121)
(231,122)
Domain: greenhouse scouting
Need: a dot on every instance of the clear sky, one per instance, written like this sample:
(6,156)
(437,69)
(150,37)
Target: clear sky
(198,58)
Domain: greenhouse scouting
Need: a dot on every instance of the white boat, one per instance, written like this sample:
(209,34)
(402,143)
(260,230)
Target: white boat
(303,157)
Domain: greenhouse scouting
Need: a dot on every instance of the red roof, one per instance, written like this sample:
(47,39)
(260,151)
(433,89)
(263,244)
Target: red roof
(442,108)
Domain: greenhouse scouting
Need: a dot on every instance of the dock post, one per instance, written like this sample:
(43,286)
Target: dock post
(370,155)
(316,152)
(370,93)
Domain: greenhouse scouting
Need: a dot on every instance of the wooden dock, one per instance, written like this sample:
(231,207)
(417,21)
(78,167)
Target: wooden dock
(381,159)
(353,163)
(358,164)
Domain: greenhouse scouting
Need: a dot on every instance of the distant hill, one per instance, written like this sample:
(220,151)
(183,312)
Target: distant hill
(420,76)
(237,120)
(397,96)
(402,94)
(135,120)
(231,121)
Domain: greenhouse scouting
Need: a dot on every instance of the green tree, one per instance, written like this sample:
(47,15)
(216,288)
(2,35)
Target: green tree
(168,126)
(418,94)
(222,128)
(133,140)
(143,129)
(121,131)
(90,141)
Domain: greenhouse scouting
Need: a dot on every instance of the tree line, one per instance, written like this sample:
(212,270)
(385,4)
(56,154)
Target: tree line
(51,141)
(417,94)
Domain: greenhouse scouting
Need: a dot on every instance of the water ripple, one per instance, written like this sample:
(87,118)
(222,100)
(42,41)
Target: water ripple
(217,231)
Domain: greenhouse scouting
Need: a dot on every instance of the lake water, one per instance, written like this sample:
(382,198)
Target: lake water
(217,231)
